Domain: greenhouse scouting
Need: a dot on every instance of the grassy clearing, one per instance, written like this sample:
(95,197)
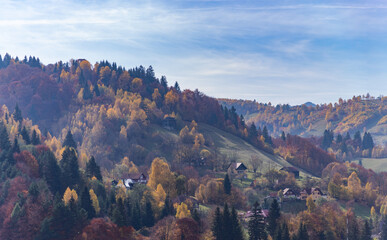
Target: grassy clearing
(376,164)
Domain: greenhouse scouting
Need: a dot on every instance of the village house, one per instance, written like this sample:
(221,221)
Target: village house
(237,168)
(316,193)
(289,194)
(129,182)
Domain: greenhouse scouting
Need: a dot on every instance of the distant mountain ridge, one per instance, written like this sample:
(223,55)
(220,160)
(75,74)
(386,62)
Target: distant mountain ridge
(361,113)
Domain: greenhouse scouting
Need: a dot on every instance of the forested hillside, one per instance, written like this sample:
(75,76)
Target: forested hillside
(102,152)
(361,113)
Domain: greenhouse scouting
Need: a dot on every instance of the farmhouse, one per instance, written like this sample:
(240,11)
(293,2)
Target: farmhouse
(293,170)
(237,168)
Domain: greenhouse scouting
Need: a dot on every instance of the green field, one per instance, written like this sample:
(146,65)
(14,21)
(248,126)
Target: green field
(376,164)
(228,145)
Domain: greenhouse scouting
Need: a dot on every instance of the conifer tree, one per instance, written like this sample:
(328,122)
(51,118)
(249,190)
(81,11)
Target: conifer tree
(227,185)
(272,219)
(366,234)
(4,138)
(25,135)
(15,146)
(168,208)
(50,171)
(87,204)
(119,216)
(177,87)
(69,141)
(70,168)
(149,219)
(227,223)
(217,229)
(285,232)
(302,233)
(136,216)
(256,225)
(283,137)
(35,138)
(17,115)
(236,227)
(92,169)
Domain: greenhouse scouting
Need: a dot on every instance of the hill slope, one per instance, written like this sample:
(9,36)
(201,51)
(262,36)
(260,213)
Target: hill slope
(356,114)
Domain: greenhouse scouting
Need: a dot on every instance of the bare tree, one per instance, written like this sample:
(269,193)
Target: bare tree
(255,162)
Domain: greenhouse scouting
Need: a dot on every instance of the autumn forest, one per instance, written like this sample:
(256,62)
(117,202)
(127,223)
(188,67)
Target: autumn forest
(100,151)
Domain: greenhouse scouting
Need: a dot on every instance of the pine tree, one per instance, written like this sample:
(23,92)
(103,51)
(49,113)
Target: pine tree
(283,137)
(177,87)
(25,135)
(302,233)
(70,168)
(149,219)
(285,232)
(87,204)
(35,138)
(17,115)
(256,225)
(92,169)
(119,216)
(236,227)
(69,141)
(272,219)
(366,234)
(5,144)
(50,171)
(227,223)
(168,208)
(15,146)
(227,185)
(217,225)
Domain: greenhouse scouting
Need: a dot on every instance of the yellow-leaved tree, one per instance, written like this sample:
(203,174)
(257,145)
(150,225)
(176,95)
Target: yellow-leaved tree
(159,195)
(354,185)
(310,204)
(160,173)
(182,211)
(68,195)
(94,201)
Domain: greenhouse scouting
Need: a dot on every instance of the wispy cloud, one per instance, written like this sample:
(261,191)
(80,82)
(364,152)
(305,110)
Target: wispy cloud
(281,52)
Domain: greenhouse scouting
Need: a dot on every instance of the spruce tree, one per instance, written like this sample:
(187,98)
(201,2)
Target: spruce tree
(92,169)
(366,234)
(49,170)
(35,138)
(272,219)
(227,185)
(15,146)
(70,168)
(168,208)
(217,225)
(227,223)
(302,233)
(17,115)
(177,87)
(87,204)
(283,137)
(256,225)
(149,219)
(25,135)
(285,232)
(5,144)
(136,216)
(236,227)
(119,216)
(69,141)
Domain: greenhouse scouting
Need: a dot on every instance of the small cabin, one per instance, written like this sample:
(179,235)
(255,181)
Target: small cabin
(237,168)
(293,170)
(169,123)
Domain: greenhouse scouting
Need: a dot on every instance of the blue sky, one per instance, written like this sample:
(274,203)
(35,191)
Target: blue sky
(277,51)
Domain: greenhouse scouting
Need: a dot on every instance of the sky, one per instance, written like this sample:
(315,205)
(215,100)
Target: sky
(273,51)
